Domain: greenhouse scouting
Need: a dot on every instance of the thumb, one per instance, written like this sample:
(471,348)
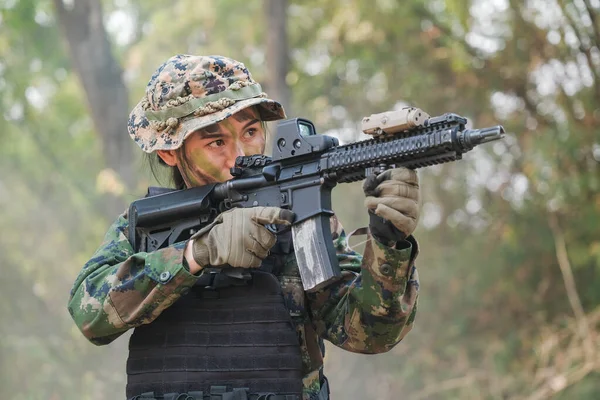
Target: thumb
(273,215)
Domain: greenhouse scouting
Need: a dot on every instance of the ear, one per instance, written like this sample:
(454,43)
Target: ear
(168,156)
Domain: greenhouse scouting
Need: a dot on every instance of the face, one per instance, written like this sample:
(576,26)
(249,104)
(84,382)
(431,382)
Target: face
(207,154)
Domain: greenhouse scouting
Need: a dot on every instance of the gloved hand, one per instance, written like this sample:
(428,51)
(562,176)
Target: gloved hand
(393,203)
(238,237)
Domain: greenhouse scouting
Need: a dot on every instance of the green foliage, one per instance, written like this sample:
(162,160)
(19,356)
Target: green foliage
(495,318)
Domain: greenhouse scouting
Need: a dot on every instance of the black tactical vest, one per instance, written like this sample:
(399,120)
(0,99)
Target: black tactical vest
(234,336)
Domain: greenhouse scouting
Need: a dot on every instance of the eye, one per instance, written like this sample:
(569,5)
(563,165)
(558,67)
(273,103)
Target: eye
(250,133)
(217,143)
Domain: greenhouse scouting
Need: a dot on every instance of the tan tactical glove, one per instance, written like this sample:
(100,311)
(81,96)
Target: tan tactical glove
(393,203)
(238,237)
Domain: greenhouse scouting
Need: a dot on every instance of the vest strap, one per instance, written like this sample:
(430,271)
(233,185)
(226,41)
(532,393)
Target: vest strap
(219,278)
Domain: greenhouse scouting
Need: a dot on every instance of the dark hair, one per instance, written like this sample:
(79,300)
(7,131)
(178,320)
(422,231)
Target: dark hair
(159,168)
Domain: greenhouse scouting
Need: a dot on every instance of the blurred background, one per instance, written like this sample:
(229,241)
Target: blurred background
(509,236)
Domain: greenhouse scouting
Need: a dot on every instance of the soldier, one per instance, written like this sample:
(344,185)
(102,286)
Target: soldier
(259,339)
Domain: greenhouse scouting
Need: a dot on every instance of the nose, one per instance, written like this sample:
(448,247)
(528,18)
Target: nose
(236,150)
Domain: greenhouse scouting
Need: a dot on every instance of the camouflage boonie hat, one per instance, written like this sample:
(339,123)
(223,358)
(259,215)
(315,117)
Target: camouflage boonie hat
(188,93)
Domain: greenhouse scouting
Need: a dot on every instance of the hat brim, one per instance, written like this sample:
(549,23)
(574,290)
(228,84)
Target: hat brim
(149,139)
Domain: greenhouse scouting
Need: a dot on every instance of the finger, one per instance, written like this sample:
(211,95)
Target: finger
(250,261)
(402,222)
(262,237)
(401,174)
(273,215)
(397,189)
(258,250)
(244,259)
(371,202)
(370,184)
(405,206)
(408,207)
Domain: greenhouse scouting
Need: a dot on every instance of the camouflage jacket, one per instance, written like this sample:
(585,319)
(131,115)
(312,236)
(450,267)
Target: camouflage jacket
(369,310)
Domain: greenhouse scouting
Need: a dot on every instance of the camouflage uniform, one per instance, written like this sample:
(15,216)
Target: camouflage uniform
(368,310)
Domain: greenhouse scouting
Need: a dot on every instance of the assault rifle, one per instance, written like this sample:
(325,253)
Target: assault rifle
(300,175)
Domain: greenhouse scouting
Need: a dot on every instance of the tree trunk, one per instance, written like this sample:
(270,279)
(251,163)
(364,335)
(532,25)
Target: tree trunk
(277,52)
(102,80)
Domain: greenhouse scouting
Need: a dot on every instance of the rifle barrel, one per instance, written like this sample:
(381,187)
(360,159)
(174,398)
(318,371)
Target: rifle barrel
(474,137)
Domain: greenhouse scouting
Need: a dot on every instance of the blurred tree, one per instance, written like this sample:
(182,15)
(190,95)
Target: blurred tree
(49,161)
(277,57)
(102,79)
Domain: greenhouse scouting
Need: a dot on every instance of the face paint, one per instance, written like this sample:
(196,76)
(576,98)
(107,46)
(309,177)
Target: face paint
(191,176)
(202,169)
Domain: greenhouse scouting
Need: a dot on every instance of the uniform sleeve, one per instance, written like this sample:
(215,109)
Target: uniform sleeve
(117,290)
(373,306)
